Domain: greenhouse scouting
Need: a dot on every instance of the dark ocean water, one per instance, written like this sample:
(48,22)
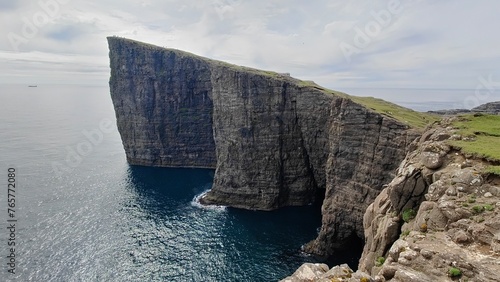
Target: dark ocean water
(84,214)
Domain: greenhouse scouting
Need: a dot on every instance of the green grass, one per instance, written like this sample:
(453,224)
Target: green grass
(471,199)
(408,215)
(404,234)
(410,117)
(494,169)
(454,272)
(484,132)
(488,207)
(477,209)
(379,261)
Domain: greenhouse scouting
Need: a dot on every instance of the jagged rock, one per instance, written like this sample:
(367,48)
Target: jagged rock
(436,190)
(350,189)
(489,108)
(461,219)
(307,272)
(411,275)
(460,237)
(431,160)
(388,272)
(452,112)
(452,211)
(396,249)
(339,271)
(407,191)
(468,177)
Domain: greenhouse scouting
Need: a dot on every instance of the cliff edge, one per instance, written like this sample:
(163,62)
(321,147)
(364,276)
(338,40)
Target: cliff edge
(273,140)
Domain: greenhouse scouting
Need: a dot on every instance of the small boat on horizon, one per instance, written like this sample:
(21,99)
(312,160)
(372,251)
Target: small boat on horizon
(32,85)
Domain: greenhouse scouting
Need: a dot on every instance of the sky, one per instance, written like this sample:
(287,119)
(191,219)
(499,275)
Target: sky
(446,44)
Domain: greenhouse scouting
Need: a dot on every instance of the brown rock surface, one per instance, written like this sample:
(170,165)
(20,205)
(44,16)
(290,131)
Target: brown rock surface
(456,222)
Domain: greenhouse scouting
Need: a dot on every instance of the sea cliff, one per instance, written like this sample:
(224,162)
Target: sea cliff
(273,140)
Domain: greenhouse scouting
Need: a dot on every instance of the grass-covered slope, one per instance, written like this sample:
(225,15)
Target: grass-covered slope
(481,137)
(407,116)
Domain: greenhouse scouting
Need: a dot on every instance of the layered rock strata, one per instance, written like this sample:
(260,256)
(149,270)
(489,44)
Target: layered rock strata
(273,140)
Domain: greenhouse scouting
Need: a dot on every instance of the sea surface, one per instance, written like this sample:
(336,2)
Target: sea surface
(84,214)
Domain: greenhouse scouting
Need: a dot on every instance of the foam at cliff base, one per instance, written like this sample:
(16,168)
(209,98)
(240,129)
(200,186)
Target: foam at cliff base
(196,203)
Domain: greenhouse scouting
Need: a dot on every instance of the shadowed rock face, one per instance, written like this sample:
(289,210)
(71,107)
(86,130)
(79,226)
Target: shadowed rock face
(164,115)
(274,140)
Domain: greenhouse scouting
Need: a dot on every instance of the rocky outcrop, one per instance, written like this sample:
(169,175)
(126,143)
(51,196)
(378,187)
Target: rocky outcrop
(451,112)
(492,108)
(488,108)
(437,220)
(274,140)
(322,273)
(440,212)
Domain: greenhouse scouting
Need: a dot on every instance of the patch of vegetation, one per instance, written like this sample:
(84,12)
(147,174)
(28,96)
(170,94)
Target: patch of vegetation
(477,209)
(483,137)
(379,261)
(494,169)
(454,272)
(471,199)
(408,215)
(404,234)
(364,279)
(488,207)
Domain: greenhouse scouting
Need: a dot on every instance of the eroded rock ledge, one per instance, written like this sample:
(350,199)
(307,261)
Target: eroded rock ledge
(274,140)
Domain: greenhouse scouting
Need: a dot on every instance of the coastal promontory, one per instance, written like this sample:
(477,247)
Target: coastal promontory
(273,140)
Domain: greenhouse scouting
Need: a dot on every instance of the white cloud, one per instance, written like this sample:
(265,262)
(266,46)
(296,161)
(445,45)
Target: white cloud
(445,44)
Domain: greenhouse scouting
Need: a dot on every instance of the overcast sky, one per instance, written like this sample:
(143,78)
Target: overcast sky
(337,43)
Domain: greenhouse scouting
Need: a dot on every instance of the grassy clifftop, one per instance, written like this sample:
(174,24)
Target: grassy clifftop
(481,137)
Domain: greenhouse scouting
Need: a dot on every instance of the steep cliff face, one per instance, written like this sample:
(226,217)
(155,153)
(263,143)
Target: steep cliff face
(274,140)
(365,149)
(164,115)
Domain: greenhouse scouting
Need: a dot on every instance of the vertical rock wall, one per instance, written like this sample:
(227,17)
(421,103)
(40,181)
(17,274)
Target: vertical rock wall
(163,105)
(271,139)
(365,150)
